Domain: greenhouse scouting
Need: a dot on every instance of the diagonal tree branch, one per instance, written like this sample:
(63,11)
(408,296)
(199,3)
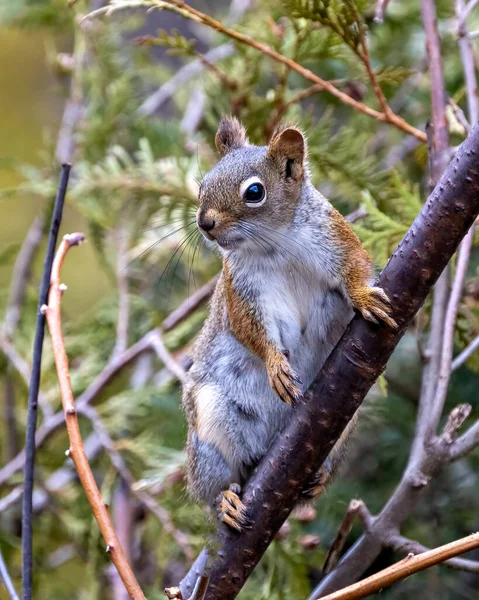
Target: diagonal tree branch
(356,362)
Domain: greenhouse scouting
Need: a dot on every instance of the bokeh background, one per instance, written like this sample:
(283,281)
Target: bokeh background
(76,90)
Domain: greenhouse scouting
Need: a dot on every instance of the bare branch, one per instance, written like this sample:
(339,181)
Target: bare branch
(381,7)
(465,354)
(156,341)
(34,387)
(466,443)
(194,68)
(121,243)
(188,306)
(21,274)
(23,369)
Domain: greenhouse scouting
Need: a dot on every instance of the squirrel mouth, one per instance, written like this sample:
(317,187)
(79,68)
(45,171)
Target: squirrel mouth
(229,242)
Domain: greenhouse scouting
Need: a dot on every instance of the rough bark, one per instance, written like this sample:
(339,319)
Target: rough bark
(356,362)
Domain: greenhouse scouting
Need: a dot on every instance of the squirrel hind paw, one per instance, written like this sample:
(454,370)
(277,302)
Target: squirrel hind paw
(377,305)
(231,509)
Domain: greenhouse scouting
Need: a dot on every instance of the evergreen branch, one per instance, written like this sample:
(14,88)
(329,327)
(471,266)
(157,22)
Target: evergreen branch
(187,11)
(77,451)
(338,390)
(405,568)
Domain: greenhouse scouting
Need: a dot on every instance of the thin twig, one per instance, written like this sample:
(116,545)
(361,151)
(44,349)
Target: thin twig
(76,451)
(21,274)
(406,567)
(23,369)
(406,546)
(188,306)
(194,68)
(27,558)
(462,17)
(465,354)
(445,368)
(121,243)
(337,546)
(438,147)
(364,55)
(466,443)
(381,7)
(156,340)
(5,577)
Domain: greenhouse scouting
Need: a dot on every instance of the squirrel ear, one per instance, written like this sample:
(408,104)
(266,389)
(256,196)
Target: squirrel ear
(289,146)
(231,135)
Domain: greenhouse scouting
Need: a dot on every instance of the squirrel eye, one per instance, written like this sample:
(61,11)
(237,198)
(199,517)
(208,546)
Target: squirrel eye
(254,193)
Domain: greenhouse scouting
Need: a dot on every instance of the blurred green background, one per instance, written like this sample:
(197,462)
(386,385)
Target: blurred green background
(133,188)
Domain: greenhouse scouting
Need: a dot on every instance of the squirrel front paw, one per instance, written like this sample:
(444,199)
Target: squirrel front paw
(283,379)
(374,304)
(231,509)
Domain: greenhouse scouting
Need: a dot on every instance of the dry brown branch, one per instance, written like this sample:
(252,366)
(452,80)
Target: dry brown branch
(383,103)
(386,117)
(407,546)
(76,451)
(406,567)
(188,11)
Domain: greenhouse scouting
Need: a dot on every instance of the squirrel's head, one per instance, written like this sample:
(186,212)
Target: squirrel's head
(252,189)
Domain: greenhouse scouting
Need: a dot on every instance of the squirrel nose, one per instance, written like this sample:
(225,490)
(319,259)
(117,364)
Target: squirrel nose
(205,223)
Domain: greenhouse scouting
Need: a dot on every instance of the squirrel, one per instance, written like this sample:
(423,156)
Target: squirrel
(293,273)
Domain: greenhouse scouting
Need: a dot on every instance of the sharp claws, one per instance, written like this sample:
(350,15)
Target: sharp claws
(231,509)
